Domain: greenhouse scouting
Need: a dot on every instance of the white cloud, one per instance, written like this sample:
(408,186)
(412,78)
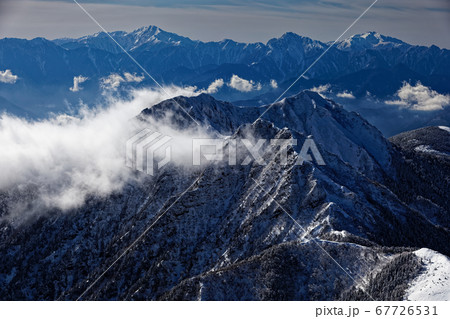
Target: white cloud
(66,159)
(113,81)
(346,95)
(133,77)
(321,89)
(7,77)
(273,84)
(243,85)
(77,80)
(420,98)
(215,86)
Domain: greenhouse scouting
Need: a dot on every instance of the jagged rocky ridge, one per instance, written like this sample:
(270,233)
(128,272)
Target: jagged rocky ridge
(227,238)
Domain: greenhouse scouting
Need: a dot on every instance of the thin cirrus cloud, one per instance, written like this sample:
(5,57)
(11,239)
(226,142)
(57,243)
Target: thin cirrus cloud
(77,80)
(8,77)
(419,98)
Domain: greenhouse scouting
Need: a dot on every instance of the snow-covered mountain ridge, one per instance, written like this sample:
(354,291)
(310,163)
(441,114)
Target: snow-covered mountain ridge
(227,238)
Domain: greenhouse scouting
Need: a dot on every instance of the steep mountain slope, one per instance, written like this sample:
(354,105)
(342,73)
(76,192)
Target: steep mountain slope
(432,141)
(427,154)
(232,235)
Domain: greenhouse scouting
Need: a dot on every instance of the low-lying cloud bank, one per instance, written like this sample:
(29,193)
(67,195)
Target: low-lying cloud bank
(420,98)
(60,162)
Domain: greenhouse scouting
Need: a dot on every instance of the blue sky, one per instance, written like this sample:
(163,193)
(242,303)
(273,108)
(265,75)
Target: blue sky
(418,22)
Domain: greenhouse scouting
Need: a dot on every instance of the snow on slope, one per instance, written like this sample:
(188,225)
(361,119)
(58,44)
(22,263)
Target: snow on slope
(369,40)
(445,128)
(428,149)
(434,283)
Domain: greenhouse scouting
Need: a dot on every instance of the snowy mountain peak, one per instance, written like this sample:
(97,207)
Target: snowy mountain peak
(151,29)
(291,35)
(290,39)
(352,139)
(369,40)
(151,33)
(128,40)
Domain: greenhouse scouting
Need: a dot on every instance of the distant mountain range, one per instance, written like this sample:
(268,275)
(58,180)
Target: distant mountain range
(171,55)
(365,63)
